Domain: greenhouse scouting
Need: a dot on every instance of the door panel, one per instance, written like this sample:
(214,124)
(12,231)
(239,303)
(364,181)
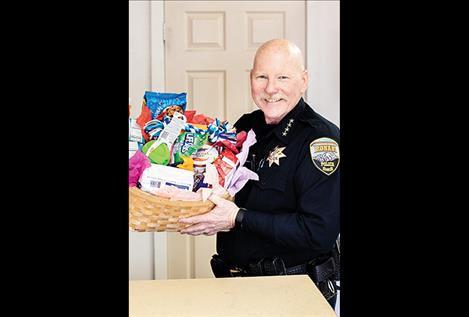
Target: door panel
(207,92)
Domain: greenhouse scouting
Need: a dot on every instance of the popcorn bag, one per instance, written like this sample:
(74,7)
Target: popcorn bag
(178,159)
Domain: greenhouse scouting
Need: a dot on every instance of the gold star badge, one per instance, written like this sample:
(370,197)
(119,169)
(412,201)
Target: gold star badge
(275,155)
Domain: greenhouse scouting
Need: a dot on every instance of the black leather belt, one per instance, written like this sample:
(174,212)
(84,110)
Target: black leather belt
(318,272)
(275,268)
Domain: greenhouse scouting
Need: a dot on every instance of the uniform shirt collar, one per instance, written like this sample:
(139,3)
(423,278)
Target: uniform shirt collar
(284,130)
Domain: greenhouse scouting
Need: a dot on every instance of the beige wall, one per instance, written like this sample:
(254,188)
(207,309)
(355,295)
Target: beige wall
(141,246)
(322,58)
(139,53)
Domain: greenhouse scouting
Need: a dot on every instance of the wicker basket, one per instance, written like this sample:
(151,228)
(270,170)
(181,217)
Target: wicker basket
(149,213)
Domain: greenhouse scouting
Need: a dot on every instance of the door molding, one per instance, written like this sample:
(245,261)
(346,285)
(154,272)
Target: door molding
(157,84)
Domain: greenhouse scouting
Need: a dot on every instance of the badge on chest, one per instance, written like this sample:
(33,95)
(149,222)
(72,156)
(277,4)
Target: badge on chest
(275,155)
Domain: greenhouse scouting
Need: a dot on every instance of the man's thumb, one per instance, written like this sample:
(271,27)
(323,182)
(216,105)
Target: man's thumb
(216,199)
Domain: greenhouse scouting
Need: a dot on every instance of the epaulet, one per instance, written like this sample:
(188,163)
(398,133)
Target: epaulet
(320,125)
(248,119)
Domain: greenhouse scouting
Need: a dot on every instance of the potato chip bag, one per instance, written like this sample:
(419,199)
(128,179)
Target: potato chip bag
(161,103)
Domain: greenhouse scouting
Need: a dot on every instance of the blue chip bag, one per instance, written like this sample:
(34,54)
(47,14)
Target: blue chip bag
(161,103)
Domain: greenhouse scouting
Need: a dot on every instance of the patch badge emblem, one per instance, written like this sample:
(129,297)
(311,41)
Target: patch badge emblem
(275,155)
(325,155)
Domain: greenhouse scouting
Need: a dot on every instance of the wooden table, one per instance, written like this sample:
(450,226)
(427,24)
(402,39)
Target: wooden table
(292,295)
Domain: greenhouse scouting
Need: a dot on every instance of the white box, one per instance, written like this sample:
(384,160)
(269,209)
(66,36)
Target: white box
(161,176)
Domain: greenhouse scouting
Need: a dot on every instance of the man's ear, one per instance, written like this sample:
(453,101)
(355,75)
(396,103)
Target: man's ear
(305,78)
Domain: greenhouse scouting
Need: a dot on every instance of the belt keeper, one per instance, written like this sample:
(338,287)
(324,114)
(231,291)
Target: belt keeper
(279,266)
(323,271)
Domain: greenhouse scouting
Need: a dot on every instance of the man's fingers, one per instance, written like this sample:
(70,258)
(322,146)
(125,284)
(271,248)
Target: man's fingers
(197,229)
(193,229)
(193,219)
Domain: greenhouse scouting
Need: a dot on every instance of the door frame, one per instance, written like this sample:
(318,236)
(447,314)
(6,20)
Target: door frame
(157,83)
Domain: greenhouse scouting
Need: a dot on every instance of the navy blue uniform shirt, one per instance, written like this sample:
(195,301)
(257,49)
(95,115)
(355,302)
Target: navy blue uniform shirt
(293,210)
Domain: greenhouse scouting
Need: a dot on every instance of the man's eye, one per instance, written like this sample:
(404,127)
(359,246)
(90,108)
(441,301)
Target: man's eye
(261,77)
(282,77)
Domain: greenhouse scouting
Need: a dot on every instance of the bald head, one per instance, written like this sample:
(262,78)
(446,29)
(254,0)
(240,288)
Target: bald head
(282,47)
(278,79)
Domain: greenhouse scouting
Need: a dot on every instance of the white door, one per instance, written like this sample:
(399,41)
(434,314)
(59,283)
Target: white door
(209,48)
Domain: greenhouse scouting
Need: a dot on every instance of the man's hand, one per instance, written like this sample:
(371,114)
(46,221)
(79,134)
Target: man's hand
(220,218)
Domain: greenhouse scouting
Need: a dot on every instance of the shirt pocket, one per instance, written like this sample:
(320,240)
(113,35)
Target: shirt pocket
(269,193)
(274,183)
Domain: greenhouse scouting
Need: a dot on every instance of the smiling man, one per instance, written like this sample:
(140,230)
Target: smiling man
(287,222)
(278,79)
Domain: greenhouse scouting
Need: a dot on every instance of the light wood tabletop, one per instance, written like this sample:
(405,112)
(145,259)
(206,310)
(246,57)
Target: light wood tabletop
(291,295)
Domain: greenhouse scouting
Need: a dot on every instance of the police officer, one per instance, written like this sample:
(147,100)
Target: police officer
(288,221)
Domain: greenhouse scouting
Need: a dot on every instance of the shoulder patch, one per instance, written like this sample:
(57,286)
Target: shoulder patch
(325,155)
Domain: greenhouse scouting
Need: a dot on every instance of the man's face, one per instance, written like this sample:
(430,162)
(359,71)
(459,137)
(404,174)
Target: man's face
(277,84)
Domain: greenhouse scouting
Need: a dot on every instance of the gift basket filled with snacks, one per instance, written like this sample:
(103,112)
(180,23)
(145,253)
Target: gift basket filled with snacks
(178,159)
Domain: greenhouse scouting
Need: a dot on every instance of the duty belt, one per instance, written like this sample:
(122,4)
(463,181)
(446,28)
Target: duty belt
(318,272)
(275,267)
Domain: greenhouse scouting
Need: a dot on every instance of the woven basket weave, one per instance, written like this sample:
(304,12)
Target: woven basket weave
(149,213)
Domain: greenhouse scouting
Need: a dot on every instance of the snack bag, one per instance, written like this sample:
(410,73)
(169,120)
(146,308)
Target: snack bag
(206,152)
(164,104)
(187,144)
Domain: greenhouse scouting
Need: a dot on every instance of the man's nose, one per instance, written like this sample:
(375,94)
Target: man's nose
(271,87)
